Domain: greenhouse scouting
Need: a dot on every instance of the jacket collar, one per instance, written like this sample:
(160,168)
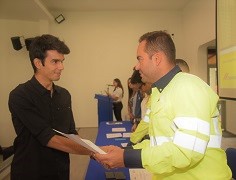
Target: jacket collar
(164,81)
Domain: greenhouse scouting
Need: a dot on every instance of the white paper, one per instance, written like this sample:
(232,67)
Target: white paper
(124,144)
(118,130)
(83,142)
(126,135)
(113,122)
(114,135)
(140,174)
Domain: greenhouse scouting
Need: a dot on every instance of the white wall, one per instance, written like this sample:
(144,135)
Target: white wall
(15,68)
(199,29)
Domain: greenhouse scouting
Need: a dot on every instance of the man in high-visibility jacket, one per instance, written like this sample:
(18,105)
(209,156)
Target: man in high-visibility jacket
(141,132)
(184,125)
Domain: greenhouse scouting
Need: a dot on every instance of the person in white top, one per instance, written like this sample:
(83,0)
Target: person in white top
(117,96)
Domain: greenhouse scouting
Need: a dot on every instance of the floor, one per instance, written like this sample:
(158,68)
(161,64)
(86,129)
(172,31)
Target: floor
(79,163)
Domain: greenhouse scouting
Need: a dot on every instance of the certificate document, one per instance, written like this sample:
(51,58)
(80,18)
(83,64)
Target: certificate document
(83,142)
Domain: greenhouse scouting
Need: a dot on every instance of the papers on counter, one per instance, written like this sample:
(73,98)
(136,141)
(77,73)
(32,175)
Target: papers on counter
(114,135)
(126,135)
(83,142)
(118,130)
(113,123)
(140,174)
(124,144)
(118,133)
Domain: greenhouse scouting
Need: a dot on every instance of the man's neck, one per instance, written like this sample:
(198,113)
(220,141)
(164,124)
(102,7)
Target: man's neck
(44,82)
(163,71)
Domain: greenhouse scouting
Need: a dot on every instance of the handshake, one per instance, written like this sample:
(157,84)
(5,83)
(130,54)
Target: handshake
(114,157)
(109,156)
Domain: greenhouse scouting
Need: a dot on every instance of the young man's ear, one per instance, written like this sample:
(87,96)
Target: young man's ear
(38,63)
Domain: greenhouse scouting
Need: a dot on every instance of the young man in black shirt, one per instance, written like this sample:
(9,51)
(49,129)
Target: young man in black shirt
(37,107)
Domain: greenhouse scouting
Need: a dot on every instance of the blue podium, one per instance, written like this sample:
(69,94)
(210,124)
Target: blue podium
(105,108)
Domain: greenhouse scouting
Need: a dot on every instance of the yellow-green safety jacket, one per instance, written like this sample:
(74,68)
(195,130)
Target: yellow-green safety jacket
(185,132)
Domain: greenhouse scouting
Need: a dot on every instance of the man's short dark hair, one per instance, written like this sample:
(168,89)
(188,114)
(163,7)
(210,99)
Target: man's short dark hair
(41,44)
(159,41)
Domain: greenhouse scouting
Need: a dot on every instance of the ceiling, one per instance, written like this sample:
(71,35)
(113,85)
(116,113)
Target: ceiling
(34,10)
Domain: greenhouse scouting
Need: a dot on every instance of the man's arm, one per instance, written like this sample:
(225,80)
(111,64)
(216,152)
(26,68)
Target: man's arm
(140,132)
(64,144)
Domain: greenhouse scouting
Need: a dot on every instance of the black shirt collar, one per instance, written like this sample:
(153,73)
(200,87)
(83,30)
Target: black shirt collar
(164,81)
(41,88)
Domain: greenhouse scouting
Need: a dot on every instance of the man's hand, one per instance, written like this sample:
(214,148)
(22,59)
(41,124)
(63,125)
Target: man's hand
(113,159)
(108,149)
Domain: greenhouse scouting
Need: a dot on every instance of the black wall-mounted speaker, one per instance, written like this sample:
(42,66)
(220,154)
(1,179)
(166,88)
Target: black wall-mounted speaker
(28,41)
(16,43)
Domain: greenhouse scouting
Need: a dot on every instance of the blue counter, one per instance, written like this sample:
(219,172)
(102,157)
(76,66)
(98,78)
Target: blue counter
(95,170)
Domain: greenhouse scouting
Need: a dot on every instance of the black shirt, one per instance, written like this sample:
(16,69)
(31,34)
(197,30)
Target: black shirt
(35,113)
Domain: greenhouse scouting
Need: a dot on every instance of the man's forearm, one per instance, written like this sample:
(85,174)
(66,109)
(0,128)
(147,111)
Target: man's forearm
(67,145)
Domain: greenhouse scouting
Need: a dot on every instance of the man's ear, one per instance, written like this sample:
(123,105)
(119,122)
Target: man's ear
(38,63)
(157,57)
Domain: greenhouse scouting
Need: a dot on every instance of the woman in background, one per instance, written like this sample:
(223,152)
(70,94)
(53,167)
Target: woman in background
(117,96)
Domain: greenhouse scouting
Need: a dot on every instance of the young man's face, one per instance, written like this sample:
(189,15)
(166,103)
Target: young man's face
(53,66)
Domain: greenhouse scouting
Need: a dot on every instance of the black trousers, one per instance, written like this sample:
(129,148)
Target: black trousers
(117,107)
